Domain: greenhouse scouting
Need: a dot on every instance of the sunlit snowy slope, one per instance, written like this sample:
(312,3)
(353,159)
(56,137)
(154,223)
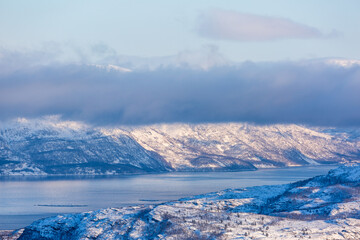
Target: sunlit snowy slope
(324,207)
(51,146)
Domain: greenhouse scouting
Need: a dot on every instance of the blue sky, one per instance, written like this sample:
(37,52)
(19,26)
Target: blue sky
(165,28)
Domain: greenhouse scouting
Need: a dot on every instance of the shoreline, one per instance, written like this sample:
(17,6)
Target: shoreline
(94,176)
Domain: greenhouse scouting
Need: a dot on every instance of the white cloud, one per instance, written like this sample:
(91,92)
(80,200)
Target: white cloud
(232,25)
(108,59)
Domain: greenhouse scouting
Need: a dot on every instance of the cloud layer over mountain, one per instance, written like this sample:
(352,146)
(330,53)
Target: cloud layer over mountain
(309,92)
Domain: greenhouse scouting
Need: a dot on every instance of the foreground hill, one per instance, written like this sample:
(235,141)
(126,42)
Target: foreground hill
(51,146)
(323,207)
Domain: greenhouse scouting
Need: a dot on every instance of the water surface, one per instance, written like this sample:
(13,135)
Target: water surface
(26,199)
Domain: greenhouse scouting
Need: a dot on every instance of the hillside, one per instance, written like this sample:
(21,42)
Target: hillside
(323,207)
(52,146)
(49,146)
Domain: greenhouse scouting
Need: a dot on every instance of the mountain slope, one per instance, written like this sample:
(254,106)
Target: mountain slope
(51,146)
(183,145)
(329,204)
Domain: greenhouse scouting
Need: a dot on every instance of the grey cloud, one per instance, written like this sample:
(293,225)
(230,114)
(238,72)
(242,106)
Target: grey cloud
(232,25)
(308,93)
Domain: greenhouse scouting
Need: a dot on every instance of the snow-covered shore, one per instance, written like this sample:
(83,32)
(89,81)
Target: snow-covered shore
(323,207)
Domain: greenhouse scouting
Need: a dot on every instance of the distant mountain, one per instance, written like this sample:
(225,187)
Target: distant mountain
(227,145)
(51,146)
(343,62)
(111,67)
(323,207)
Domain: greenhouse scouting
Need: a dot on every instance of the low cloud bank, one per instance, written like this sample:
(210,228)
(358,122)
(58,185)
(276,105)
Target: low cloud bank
(313,93)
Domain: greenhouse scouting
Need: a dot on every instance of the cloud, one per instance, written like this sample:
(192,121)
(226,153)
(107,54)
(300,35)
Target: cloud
(232,25)
(103,56)
(312,92)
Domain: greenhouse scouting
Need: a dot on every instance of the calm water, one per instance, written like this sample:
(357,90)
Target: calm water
(24,200)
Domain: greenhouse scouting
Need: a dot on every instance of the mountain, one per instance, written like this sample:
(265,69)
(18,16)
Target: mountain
(111,67)
(211,146)
(323,207)
(343,62)
(51,146)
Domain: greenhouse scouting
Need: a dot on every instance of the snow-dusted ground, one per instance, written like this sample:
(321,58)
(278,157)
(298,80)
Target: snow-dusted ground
(324,207)
(50,145)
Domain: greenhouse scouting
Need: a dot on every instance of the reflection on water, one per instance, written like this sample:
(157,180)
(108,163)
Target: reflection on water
(23,200)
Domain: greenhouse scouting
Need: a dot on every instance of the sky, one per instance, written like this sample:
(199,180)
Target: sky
(141,62)
(164,28)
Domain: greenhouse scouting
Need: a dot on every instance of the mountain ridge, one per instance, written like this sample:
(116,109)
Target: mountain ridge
(50,145)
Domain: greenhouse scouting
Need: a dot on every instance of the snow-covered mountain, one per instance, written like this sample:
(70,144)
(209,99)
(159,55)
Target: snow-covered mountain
(52,146)
(211,146)
(323,207)
(343,62)
(111,67)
